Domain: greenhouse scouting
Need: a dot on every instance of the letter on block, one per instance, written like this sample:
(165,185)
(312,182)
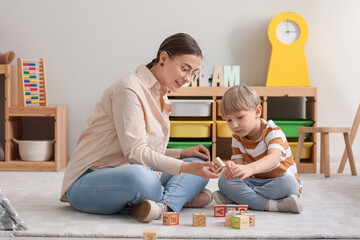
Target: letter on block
(219,210)
(240,221)
(218,165)
(170,218)
(230,208)
(228,218)
(242,208)
(218,76)
(199,220)
(149,235)
(251,218)
(231,76)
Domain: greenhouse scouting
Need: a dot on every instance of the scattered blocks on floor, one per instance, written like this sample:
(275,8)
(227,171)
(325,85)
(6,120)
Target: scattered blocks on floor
(221,209)
(199,220)
(170,218)
(218,165)
(240,221)
(149,235)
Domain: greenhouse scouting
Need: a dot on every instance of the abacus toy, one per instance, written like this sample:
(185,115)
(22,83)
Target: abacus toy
(31,83)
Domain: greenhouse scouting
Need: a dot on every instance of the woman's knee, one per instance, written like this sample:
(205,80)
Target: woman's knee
(144,179)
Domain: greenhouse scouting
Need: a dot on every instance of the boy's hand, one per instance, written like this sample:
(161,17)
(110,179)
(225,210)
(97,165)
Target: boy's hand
(243,171)
(228,172)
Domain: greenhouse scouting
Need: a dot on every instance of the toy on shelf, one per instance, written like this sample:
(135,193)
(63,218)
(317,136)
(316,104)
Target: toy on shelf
(6,58)
(31,83)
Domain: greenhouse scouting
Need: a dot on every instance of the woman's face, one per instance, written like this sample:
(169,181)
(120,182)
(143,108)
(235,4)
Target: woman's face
(178,70)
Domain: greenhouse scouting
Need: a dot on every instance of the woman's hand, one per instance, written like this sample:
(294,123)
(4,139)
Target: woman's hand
(197,151)
(198,168)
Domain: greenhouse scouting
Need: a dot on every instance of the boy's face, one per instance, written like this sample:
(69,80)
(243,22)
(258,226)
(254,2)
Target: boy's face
(244,123)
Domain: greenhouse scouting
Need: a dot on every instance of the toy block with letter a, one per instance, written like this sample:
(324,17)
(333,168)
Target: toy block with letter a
(199,220)
(218,165)
(219,210)
(149,235)
(242,208)
(240,221)
(170,218)
(251,218)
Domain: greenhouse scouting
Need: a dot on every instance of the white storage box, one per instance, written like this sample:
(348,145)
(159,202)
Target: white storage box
(191,107)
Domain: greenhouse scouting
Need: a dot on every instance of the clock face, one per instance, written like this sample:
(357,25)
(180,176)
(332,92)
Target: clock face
(288,31)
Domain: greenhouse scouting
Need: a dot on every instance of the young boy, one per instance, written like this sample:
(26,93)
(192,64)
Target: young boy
(262,172)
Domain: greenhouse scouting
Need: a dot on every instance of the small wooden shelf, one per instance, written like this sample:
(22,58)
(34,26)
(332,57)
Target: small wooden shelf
(31,123)
(265,93)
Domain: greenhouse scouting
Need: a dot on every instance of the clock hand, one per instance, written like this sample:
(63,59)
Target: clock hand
(287,26)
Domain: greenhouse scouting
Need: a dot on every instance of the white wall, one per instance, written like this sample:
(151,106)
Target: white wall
(88,44)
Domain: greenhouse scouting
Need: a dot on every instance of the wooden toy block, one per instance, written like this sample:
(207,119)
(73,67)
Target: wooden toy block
(230,208)
(228,217)
(199,220)
(242,208)
(170,218)
(219,210)
(251,218)
(149,235)
(218,165)
(240,222)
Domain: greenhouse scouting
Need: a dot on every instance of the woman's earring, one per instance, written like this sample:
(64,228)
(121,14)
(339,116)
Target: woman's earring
(162,64)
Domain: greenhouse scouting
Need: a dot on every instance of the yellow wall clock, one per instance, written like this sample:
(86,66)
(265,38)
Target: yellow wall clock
(288,33)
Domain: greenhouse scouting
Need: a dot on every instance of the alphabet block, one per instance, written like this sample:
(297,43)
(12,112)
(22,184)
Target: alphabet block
(199,220)
(251,218)
(230,208)
(219,210)
(170,218)
(218,165)
(240,221)
(242,208)
(149,235)
(228,217)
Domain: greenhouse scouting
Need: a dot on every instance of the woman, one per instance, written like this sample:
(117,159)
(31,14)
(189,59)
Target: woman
(113,164)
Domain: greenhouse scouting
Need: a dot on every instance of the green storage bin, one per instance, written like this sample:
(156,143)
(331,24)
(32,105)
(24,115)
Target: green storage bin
(185,145)
(290,126)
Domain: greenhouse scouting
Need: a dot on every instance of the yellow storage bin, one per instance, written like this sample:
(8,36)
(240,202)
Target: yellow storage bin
(190,129)
(223,130)
(306,150)
(218,107)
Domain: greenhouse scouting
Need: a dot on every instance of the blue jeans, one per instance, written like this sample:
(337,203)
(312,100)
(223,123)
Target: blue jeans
(109,190)
(256,192)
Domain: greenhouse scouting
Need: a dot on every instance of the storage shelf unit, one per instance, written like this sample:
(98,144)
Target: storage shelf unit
(45,122)
(310,93)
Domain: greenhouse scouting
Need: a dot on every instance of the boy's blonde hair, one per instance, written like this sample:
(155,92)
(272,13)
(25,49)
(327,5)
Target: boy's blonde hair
(239,98)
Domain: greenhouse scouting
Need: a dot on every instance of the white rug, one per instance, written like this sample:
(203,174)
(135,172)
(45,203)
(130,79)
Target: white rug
(331,210)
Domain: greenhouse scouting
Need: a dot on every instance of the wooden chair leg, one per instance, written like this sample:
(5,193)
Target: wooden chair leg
(353,131)
(322,153)
(326,154)
(350,154)
(299,148)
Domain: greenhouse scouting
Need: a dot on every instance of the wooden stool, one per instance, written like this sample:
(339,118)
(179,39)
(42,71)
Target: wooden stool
(324,151)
